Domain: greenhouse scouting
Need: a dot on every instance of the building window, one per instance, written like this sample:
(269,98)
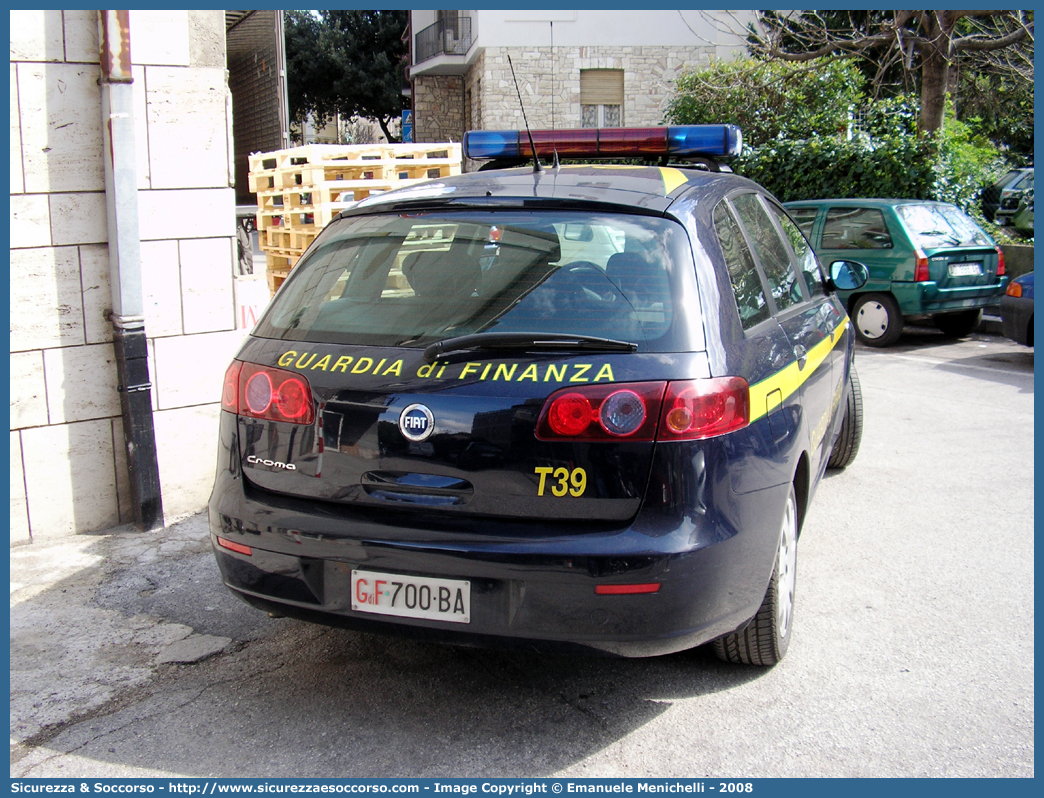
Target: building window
(601,97)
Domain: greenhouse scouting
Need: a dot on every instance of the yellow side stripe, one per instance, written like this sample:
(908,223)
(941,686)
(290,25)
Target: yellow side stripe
(791,378)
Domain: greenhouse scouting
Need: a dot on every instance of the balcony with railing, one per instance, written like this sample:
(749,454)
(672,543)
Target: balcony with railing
(448,36)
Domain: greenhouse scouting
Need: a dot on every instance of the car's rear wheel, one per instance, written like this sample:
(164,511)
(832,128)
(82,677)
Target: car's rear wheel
(847,444)
(877,319)
(958,325)
(764,639)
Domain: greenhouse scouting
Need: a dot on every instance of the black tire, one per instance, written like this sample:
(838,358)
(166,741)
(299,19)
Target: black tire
(877,320)
(958,325)
(765,638)
(846,447)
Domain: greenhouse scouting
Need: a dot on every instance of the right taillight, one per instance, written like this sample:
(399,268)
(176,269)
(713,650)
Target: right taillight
(675,411)
(1000,262)
(920,267)
(602,412)
(267,393)
(696,409)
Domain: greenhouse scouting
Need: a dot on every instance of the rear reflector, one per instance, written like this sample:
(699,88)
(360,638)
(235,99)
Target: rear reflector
(239,548)
(626,590)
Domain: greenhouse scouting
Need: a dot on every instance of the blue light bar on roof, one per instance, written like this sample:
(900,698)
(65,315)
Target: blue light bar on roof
(680,141)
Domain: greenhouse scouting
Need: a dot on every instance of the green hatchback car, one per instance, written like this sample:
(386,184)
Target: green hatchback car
(926,260)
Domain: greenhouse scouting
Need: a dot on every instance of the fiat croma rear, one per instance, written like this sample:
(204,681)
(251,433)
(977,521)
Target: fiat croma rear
(585,406)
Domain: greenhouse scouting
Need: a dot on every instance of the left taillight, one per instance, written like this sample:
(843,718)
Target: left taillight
(646,411)
(267,393)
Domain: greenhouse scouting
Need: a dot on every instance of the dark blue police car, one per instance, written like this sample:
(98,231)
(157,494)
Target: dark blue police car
(583,405)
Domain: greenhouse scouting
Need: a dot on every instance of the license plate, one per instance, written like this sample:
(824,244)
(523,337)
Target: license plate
(412,596)
(965,269)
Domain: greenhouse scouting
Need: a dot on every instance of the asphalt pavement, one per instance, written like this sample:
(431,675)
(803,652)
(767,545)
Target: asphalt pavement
(913,650)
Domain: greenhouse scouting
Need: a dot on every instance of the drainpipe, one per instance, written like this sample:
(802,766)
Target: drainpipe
(128,313)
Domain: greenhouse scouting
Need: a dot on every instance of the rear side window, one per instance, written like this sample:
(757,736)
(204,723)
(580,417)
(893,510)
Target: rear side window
(409,280)
(806,219)
(806,258)
(856,228)
(770,251)
(746,283)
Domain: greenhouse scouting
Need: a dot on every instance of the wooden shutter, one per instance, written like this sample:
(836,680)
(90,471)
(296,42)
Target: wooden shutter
(601,87)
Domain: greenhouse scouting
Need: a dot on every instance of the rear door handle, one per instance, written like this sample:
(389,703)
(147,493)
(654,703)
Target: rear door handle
(801,354)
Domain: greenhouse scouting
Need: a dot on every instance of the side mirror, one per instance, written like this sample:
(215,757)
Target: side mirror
(848,275)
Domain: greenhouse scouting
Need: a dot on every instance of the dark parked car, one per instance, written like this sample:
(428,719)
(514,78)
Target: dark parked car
(1023,218)
(926,260)
(1017,310)
(585,406)
(991,196)
(1011,196)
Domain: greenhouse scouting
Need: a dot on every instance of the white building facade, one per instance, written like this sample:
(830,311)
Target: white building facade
(585,68)
(68,455)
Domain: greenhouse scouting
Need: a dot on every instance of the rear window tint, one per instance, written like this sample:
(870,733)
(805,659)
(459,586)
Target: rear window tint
(934,226)
(398,280)
(856,228)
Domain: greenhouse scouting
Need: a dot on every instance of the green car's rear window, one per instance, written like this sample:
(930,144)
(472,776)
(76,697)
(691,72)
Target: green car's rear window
(935,226)
(409,280)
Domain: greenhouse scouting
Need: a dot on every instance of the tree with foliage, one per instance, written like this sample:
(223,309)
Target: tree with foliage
(925,42)
(346,62)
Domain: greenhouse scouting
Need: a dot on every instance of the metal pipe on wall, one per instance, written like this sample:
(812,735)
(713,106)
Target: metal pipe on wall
(128,314)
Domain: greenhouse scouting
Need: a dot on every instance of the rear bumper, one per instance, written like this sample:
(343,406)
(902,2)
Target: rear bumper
(1016,313)
(916,299)
(528,586)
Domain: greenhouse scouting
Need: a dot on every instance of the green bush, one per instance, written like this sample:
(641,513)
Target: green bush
(953,166)
(825,167)
(769,100)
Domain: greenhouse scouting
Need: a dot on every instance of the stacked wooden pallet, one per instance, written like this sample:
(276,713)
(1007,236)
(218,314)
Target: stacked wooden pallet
(299,190)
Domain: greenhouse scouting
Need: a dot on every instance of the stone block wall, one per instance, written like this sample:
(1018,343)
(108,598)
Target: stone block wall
(649,77)
(68,466)
(438,103)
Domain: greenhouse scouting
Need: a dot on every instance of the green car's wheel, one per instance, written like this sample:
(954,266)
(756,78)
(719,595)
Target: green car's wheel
(877,319)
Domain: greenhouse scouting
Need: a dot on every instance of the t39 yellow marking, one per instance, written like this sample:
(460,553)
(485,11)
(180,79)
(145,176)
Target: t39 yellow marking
(565,481)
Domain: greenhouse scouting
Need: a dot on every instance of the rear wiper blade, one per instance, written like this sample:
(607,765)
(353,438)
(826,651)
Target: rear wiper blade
(940,234)
(525,341)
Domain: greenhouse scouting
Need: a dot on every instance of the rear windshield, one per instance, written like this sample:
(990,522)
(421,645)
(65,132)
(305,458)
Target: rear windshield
(934,226)
(409,280)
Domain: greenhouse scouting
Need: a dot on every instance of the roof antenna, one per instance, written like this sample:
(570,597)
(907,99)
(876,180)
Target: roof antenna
(555,165)
(536,161)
